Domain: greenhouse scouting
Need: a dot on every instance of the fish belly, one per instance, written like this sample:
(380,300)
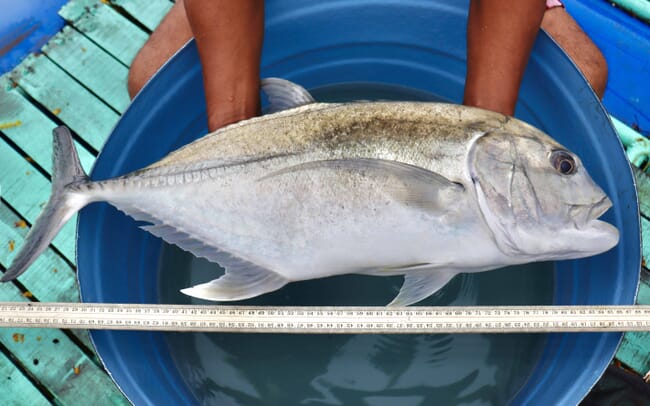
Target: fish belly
(308,223)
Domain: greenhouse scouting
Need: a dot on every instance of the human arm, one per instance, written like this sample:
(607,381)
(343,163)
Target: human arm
(500,36)
(229,37)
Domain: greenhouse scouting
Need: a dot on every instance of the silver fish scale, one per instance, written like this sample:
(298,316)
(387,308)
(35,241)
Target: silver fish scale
(429,135)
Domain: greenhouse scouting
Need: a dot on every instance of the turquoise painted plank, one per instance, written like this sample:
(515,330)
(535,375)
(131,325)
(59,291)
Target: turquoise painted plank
(49,278)
(635,347)
(92,66)
(634,350)
(57,363)
(21,388)
(106,27)
(645,234)
(30,129)
(26,190)
(70,101)
(147,12)
(49,355)
(643,191)
(640,8)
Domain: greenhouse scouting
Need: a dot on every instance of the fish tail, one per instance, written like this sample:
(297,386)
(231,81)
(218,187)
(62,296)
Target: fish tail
(65,201)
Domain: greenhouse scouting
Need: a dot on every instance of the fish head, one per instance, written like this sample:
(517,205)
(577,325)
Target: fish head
(537,197)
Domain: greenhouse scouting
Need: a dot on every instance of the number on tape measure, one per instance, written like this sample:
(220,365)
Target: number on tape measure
(326,319)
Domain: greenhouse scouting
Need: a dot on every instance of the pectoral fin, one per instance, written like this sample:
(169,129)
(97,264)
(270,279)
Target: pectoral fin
(407,184)
(420,285)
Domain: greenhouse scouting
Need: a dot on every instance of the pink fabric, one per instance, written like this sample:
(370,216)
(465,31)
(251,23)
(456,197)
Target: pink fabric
(553,3)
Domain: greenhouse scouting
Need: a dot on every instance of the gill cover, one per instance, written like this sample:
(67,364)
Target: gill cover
(537,197)
(499,168)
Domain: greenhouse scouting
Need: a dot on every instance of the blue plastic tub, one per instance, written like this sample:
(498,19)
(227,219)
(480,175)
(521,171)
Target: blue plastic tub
(25,26)
(413,44)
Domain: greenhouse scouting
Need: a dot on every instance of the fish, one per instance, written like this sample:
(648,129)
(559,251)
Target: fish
(312,190)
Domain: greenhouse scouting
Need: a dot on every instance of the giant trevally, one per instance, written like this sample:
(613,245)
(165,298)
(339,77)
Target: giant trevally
(424,190)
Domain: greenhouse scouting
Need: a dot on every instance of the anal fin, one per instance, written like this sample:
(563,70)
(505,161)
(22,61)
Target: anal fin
(420,285)
(242,280)
(243,284)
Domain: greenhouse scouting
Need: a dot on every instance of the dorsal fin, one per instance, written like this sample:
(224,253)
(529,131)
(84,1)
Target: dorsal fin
(284,95)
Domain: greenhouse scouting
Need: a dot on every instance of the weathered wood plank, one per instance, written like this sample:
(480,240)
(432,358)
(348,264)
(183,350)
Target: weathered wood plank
(92,66)
(643,191)
(645,233)
(148,12)
(66,98)
(634,350)
(49,278)
(21,388)
(106,27)
(56,361)
(635,347)
(27,190)
(49,356)
(30,129)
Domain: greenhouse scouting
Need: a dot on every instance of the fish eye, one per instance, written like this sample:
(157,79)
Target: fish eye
(563,162)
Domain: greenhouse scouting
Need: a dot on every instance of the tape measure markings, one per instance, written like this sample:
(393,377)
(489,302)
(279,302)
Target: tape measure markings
(343,320)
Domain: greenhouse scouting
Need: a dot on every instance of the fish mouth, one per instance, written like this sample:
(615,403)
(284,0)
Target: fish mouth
(593,236)
(585,215)
(599,209)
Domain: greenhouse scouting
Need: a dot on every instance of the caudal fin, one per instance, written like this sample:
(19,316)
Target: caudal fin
(63,204)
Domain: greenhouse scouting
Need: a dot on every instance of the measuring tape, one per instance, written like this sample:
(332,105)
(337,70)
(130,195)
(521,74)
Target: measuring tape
(326,320)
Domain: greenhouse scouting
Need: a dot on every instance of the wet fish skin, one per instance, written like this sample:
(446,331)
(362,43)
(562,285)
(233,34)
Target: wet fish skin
(424,190)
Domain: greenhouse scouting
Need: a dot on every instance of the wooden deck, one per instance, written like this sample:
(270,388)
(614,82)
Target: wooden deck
(80,80)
